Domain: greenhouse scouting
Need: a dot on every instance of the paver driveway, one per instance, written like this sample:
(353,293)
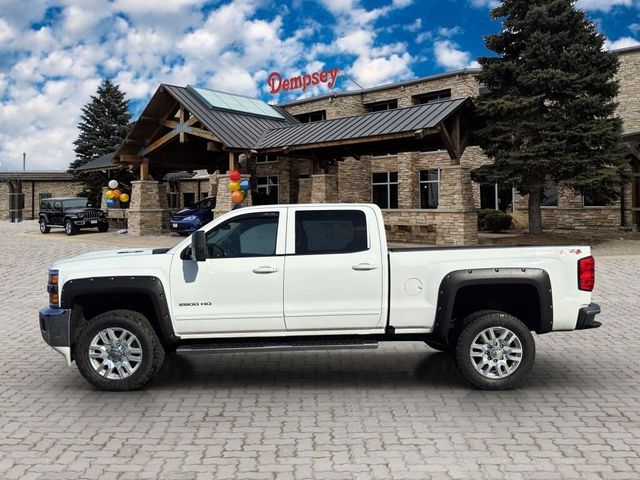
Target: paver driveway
(399,412)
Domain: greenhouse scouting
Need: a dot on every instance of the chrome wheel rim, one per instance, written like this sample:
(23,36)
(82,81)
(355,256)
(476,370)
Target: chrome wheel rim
(115,353)
(43,226)
(496,352)
(67,227)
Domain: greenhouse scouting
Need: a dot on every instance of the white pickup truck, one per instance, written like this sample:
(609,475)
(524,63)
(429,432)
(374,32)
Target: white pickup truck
(312,277)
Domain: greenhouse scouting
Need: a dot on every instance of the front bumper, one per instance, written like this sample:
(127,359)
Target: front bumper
(586,317)
(184,227)
(89,222)
(55,327)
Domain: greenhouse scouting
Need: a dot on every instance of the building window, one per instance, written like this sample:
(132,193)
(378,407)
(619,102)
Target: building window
(381,106)
(429,188)
(550,194)
(431,96)
(330,231)
(203,195)
(595,199)
(385,189)
(188,200)
(496,197)
(266,190)
(316,116)
(265,158)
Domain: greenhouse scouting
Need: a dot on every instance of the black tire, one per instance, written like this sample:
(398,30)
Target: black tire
(103,227)
(452,337)
(43,226)
(134,322)
(475,327)
(70,228)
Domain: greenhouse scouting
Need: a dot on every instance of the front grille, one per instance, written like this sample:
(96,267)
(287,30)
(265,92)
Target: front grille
(92,215)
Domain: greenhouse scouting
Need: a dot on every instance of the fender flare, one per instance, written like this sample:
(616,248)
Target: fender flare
(148,286)
(456,280)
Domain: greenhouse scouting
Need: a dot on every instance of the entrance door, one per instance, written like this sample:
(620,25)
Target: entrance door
(334,271)
(239,288)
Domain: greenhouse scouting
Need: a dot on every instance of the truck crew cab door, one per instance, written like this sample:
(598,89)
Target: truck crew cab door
(333,270)
(238,289)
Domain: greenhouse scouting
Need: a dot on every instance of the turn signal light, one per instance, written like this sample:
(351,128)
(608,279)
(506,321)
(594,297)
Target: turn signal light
(53,298)
(586,274)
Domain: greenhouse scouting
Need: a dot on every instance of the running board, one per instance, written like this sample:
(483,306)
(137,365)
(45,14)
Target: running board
(207,348)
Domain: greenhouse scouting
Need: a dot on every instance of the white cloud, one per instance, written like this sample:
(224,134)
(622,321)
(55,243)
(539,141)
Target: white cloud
(415,26)
(634,28)
(623,42)
(448,55)
(484,3)
(602,5)
(449,32)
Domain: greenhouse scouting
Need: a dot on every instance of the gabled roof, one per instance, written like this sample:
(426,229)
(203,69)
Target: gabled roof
(37,175)
(389,122)
(105,162)
(234,129)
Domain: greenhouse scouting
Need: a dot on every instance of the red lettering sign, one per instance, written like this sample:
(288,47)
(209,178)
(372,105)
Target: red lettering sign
(277,83)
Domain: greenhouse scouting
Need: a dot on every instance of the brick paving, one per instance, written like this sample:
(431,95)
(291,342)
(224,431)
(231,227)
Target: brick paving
(400,412)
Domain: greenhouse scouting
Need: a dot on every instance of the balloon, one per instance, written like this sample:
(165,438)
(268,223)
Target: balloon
(234,175)
(111,203)
(237,197)
(124,198)
(113,184)
(234,186)
(109,194)
(117,193)
(244,185)
(244,194)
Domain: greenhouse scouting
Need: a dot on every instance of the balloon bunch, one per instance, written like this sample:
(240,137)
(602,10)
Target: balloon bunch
(114,195)
(239,188)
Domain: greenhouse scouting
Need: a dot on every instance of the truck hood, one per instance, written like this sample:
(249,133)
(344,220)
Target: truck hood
(108,254)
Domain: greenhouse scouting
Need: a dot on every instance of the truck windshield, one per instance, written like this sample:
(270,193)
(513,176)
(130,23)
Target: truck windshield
(75,203)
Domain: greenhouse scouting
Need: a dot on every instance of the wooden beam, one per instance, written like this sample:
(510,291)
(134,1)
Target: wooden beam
(199,132)
(449,143)
(181,114)
(133,159)
(158,143)
(144,169)
(214,146)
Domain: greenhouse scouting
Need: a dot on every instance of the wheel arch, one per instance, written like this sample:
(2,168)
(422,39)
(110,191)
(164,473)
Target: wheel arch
(89,297)
(522,292)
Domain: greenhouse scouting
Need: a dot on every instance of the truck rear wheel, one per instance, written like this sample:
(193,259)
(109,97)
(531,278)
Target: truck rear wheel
(118,350)
(43,226)
(495,351)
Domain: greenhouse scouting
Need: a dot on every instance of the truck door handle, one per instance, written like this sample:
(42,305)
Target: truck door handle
(361,267)
(265,270)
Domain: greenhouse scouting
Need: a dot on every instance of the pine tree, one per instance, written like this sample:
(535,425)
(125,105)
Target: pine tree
(549,113)
(105,122)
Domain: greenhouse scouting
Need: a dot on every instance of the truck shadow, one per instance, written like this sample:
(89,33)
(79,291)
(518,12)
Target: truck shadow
(304,370)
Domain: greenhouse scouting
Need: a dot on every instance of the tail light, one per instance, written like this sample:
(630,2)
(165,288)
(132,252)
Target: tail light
(586,274)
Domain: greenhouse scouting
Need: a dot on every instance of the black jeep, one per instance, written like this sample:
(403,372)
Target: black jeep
(72,213)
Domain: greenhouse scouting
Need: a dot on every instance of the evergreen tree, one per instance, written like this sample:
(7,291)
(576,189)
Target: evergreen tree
(105,122)
(549,115)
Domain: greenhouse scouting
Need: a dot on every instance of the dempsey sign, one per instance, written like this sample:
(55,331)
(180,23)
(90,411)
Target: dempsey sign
(277,83)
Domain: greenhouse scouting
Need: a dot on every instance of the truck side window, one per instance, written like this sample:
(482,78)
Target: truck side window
(251,235)
(330,231)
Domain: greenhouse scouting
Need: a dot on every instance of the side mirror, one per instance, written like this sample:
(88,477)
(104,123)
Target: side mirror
(198,246)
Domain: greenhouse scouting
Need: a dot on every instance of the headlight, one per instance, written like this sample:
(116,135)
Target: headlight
(190,218)
(81,215)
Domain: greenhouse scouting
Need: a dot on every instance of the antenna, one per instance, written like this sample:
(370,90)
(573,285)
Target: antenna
(24,161)
(342,74)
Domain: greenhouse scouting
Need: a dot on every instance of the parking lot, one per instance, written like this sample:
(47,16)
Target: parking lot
(399,412)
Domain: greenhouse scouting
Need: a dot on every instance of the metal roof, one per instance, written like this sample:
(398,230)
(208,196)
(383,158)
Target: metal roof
(37,175)
(234,129)
(235,103)
(105,162)
(396,121)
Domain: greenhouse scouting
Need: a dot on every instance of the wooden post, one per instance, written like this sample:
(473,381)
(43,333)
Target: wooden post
(232,161)
(144,169)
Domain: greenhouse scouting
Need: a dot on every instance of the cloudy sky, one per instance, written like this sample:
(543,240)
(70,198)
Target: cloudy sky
(53,53)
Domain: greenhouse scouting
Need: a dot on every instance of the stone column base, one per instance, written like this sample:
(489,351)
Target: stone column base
(304,190)
(149,213)
(223,195)
(324,188)
(4,201)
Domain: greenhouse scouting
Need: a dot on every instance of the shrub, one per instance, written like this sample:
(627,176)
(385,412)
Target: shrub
(482,216)
(497,221)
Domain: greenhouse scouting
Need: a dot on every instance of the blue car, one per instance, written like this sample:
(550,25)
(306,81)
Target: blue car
(188,220)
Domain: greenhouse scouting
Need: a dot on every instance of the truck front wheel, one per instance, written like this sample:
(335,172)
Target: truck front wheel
(495,351)
(70,227)
(118,350)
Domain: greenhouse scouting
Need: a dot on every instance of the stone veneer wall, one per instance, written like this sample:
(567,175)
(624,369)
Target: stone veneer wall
(59,188)
(324,188)
(4,201)
(629,94)
(440,227)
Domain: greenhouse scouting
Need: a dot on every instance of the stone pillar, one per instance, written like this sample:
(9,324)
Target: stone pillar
(304,190)
(149,211)
(213,184)
(455,188)
(324,188)
(408,182)
(4,200)
(223,195)
(103,198)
